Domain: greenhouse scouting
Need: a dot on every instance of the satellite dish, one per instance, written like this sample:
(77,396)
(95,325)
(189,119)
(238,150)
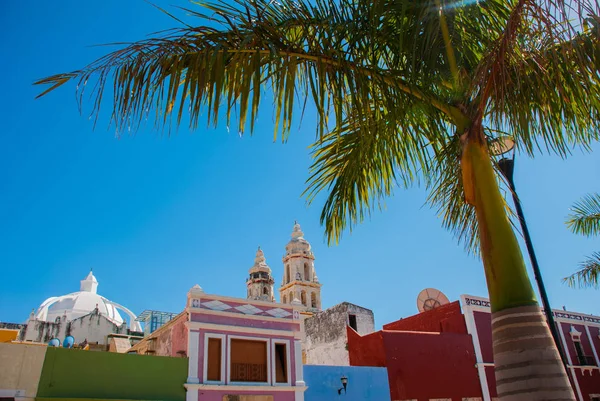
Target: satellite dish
(55,342)
(69,341)
(502,145)
(430,298)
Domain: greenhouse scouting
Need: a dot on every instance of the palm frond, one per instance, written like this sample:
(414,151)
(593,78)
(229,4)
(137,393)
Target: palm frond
(446,196)
(329,51)
(541,80)
(588,275)
(585,216)
(360,163)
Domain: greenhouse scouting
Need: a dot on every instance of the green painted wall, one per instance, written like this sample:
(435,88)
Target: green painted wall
(71,373)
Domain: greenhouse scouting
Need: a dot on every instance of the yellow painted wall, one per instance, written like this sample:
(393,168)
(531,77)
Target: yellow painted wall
(20,369)
(8,335)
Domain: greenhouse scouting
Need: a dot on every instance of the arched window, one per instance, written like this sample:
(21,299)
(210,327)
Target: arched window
(284,299)
(288,276)
(306,272)
(313,300)
(265,291)
(303,297)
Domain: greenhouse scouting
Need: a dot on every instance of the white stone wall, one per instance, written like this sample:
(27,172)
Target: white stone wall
(94,327)
(325,339)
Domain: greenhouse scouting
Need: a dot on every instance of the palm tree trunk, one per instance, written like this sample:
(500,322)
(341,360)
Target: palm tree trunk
(527,362)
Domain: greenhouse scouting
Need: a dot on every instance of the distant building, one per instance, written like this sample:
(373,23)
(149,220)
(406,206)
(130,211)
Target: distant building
(443,353)
(168,340)
(154,320)
(325,336)
(85,315)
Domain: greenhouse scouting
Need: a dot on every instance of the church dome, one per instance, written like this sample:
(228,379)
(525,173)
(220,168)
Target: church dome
(84,302)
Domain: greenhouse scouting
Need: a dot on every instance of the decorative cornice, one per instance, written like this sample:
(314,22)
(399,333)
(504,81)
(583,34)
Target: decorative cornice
(241,330)
(298,255)
(227,387)
(240,315)
(311,284)
(483,303)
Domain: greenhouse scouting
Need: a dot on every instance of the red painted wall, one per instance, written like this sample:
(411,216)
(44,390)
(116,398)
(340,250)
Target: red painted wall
(422,366)
(589,382)
(483,324)
(367,350)
(446,318)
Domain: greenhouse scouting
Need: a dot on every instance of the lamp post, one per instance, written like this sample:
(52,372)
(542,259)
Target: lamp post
(344,381)
(501,147)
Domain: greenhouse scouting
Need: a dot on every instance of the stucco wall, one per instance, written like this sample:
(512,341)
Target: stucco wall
(325,333)
(446,318)
(240,395)
(169,340)
(364,383)
(427,365)
(20,369)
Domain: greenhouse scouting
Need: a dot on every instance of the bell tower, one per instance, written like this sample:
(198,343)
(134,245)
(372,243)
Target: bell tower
(260,283)
(300,281)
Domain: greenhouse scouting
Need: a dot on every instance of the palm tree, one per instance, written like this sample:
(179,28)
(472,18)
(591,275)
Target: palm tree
(585,220)
(405,92)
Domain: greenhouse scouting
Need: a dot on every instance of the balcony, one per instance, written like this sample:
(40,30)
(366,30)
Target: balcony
(586,360)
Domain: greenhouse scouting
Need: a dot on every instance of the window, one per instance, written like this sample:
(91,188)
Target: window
(214,358)
(352,322)
(213,364)
(583,359)
(288,276)
(306,272)
(303,297)
(248,361)
(281,363)
(313,300)
(265,291)
(284,299)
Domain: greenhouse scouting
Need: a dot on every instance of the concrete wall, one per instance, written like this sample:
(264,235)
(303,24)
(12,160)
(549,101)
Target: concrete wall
(364,383)
(72,373)
(325,333)
(20,369)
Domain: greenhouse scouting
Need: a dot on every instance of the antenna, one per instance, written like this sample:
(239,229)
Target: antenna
(430,298)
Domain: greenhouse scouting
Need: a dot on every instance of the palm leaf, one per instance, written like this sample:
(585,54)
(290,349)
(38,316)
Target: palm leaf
(361,162)
(585,216)
(540,81)
(588,275)
(397,81)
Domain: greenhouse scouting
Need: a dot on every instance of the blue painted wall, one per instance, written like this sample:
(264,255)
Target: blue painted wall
(364,383)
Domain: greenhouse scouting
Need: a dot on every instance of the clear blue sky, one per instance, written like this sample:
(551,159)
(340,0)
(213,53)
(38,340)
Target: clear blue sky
(153,215)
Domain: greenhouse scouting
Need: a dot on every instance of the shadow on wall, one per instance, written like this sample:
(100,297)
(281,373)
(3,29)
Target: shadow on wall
(364,383)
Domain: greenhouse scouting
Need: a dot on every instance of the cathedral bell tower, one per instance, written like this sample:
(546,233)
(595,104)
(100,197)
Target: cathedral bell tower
(260,283)
(300,282)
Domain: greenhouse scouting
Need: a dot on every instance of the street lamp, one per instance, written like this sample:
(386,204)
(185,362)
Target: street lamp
(504,146)
(344,381)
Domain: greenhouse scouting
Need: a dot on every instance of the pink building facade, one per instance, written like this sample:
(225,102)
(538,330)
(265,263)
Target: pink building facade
(242,347)
(580,339)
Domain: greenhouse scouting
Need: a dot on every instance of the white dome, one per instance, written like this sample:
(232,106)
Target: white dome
(83,302)
(80,304)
